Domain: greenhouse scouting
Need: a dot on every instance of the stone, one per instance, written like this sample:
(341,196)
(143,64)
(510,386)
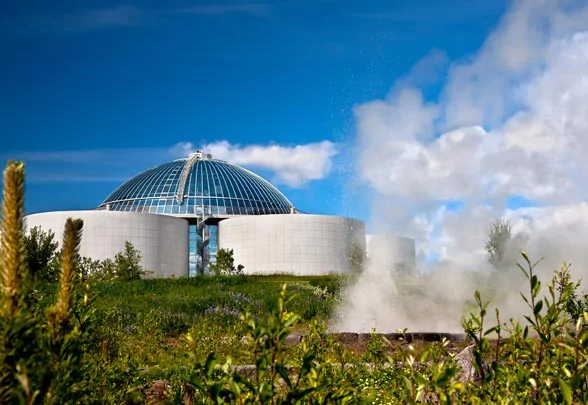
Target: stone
(247,371)
(293,339)
(155,392)
(466,362)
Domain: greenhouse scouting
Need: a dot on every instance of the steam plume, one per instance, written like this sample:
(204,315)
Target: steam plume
(506,138)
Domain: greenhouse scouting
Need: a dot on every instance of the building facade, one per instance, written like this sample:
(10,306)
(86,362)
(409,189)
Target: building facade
(162,240)
(180,213)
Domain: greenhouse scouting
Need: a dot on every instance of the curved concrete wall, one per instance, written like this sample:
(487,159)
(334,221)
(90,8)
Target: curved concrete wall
(396,251)
(299,244)
(162,240)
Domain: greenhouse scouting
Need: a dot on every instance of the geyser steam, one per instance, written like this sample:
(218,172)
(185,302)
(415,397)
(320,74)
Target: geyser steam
(506,138)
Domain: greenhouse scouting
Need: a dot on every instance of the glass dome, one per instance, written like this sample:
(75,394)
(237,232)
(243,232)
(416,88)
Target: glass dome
(198,186)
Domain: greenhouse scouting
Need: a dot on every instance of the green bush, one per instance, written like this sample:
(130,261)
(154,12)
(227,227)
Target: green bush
(41,249)
(224,264)
(42,354)
(331,284)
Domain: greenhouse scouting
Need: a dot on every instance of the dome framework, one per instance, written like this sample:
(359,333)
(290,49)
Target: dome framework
(198,186)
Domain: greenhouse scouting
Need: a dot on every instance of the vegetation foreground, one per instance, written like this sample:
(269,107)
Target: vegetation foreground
(78,340)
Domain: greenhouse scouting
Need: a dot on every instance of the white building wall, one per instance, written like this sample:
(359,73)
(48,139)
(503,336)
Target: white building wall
(162,240)
(299,244)
(398,251)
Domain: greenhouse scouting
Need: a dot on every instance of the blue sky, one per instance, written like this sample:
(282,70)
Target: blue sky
(94,92)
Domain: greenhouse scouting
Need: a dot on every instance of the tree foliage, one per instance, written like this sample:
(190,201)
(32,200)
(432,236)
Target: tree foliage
(225,263)
(127,264)
(502,245)
(42,249)
(498,238)
(357,258)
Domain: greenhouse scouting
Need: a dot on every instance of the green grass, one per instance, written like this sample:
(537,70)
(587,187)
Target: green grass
(142,326)
(192,297)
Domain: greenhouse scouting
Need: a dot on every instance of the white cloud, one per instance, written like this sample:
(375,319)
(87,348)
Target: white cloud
(512,120)
(293,166)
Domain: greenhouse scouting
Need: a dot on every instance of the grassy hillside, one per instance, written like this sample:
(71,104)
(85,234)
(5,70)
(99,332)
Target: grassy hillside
(142,322)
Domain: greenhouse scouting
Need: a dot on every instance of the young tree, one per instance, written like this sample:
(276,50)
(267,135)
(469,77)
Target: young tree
(225,263)
(502,246)
(41,248)
(357,258)
(498,238)
(127,264)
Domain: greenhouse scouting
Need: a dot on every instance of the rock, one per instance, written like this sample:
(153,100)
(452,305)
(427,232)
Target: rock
(155,392)
(466,362)
(365,338)
(293,339)
(346,337)
(247,371)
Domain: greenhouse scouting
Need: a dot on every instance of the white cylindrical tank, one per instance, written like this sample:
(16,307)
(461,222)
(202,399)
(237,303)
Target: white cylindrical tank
(396,251)
(298,244)
(161,239)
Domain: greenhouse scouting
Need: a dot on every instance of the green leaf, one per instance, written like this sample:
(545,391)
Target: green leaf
(525,298)
(292,320)
(408,384)
(243,380)
(284,374)
(443,378)
(526,257)
(538,307)
(210,363)
(523,270)
(197,382)
(491,330)
(266,391)
(566,391)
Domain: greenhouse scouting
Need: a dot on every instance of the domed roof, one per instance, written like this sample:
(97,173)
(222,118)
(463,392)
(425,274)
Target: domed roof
(198,186)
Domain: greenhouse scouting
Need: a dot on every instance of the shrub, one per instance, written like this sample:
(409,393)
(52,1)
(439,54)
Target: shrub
(41,250)
(41,355)
(273,381)
(542,360)
(127,264)
(225,264)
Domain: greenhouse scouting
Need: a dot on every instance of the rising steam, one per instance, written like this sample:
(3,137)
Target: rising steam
(506,138)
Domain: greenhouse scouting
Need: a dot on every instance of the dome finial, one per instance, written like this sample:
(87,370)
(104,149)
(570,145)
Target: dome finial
(200,155)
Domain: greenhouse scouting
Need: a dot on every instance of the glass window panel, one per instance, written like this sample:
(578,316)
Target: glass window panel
(219,202)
